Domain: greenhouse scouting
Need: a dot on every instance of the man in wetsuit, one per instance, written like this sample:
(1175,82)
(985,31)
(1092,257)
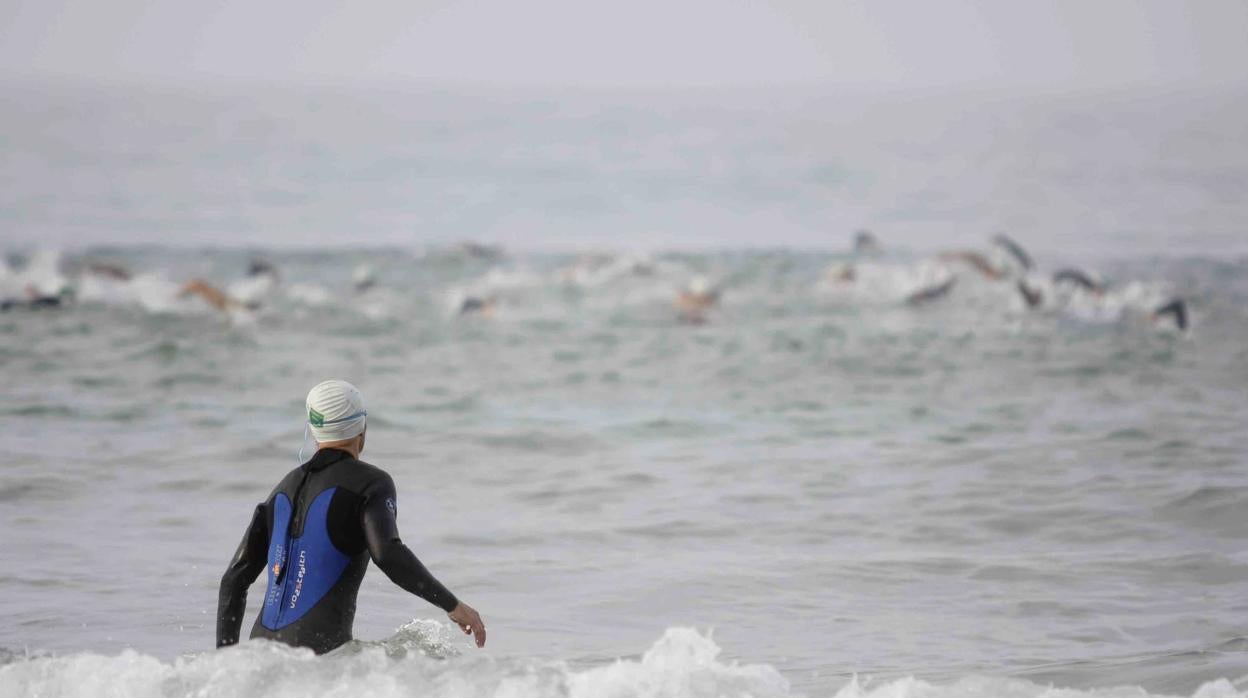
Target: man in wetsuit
(315,534)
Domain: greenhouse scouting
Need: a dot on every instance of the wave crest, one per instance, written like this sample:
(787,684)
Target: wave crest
(419,660)
(988,687)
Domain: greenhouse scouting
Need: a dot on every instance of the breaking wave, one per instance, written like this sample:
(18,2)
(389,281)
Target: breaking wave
(421,660)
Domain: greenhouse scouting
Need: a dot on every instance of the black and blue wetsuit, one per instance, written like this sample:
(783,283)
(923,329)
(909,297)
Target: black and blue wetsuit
(314,535)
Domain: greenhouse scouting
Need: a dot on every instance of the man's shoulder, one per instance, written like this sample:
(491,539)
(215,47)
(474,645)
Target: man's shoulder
(362,476)
(287,484)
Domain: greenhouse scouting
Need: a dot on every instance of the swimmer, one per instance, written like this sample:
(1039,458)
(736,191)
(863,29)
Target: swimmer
(1033,297)
(696,300)
(1079,278)
(865,243)
(261,282)
(315,534)
(840,274)
(976,261)
(482,306)
(37,300)
(214,296)
(115,272)
(480,251)
(1015,250)
(261,267)
(930,294)
(363,278)
(1177,308)
(211,294)
(642,268)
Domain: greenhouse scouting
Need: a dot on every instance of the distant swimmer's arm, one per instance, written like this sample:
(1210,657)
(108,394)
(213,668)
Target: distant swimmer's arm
(381,531)
(932,293)
(977,261)
(211,294)
(248,562)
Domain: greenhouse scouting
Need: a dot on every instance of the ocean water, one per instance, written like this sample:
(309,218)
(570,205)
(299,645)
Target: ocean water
(819,491)
(1110,173)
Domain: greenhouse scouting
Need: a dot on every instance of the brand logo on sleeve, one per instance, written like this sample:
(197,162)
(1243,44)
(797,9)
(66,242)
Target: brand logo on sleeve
(390,506)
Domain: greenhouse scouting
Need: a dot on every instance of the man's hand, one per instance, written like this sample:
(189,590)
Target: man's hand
(468,620)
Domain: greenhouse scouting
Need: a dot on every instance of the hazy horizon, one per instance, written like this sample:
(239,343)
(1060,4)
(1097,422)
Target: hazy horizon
(696,42)
(1151,170)
(586,125)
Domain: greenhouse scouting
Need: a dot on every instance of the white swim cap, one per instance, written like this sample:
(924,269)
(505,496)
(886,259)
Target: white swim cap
(699,285)
(336,411)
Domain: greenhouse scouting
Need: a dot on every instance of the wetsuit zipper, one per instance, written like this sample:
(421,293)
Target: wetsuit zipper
(290,544)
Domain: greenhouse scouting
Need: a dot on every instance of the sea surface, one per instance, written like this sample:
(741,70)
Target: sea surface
(819,490)
(1160,171)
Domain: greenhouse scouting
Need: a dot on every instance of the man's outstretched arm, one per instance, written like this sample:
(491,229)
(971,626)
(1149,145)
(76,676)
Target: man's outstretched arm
(381,531)
(248,561)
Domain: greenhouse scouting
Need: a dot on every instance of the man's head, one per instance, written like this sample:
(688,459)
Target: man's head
(336,415)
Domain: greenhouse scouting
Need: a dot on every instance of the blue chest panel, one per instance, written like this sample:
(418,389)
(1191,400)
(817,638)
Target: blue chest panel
(301,570)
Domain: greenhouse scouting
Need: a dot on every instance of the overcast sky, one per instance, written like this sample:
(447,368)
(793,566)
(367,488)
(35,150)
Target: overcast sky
(912,43)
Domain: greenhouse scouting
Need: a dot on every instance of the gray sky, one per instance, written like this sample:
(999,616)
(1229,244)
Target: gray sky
(889,43)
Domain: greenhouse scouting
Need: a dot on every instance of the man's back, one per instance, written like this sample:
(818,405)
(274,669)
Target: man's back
(315,535)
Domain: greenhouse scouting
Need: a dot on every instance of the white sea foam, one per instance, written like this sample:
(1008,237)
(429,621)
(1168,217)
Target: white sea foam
(417,661)
(875,283)
(253,289)
(986,687)
(41,275)
(312,295)
(681,663)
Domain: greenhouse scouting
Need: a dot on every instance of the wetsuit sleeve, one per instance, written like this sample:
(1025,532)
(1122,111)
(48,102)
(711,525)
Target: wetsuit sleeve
(381,532)
(249,560)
